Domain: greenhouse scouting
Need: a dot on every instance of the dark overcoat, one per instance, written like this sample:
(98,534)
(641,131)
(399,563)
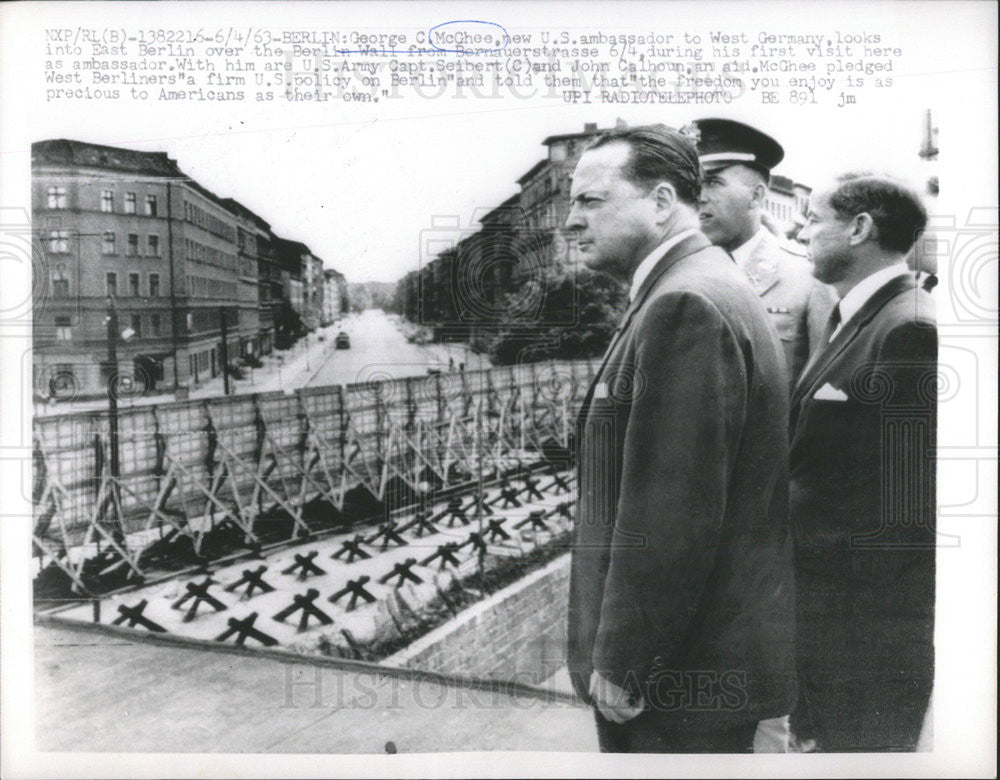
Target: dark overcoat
(864,419)
(681,570)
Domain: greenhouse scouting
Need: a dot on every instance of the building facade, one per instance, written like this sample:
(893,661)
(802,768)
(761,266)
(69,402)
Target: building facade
(128,230)
(313,285)
(106,223)
(334,296)
(255,262)
(787,202)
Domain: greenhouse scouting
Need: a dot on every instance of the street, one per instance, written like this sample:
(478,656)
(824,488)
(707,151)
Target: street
(379,350)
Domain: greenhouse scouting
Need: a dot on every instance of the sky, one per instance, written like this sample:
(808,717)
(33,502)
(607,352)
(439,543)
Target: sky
(363,194)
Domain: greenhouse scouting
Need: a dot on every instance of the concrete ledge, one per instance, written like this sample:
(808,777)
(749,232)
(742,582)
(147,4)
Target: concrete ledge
(287,656)
(517,634)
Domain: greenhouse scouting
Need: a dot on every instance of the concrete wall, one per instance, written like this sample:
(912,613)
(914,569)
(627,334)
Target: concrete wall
(518,634)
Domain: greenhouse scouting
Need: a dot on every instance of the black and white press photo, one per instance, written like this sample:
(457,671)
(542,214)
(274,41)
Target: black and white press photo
(422,389)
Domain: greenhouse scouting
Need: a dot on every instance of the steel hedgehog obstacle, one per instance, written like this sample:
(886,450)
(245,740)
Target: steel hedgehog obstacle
(342,521)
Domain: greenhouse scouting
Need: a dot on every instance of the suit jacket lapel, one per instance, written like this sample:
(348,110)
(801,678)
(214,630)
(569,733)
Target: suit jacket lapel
(827,353)
(688,246)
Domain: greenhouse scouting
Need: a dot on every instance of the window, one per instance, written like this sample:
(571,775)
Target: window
(107,201)
(64,330)
(154,285)
(153,245)
(136,324)
(150,205)
(112,283)
(108,244)
(133,284)
(57,198)
(130,203)
(154,324)
(132,248)
(58,240)
(60,288)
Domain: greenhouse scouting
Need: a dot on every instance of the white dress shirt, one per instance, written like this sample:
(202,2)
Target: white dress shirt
(643,269)
(859,294)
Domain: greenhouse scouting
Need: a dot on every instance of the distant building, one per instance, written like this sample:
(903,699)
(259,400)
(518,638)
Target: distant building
(334,296)
(249,230)
(256,273)
(129,226)
(313,284)
(787,201)
(268,289)
(289,258)
(302,280)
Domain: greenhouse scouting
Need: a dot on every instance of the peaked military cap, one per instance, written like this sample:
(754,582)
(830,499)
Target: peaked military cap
(725,142)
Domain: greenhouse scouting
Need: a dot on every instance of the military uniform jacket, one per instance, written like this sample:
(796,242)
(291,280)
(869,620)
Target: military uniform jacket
(798,304)
(680,583)
(864,417)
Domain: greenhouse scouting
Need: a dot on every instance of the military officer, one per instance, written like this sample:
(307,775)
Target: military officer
(737,160)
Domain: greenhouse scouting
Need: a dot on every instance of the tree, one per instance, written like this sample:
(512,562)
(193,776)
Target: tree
(559,313)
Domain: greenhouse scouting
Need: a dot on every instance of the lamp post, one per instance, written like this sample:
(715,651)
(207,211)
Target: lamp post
(112,322)
(225,350)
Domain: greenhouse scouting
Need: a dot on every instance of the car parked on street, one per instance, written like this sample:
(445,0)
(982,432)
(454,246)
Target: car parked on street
(343,341)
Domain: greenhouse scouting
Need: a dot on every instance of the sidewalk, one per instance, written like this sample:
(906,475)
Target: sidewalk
(291,368)
(100,693)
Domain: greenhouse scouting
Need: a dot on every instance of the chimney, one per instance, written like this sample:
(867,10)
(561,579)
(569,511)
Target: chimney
(590,127)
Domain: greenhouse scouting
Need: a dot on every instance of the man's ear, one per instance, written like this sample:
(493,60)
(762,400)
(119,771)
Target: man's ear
(862,229)
(757,195)
(666,197)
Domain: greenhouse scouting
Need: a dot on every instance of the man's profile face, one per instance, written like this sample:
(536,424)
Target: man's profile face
(827,234)
(613,219)
(726,206)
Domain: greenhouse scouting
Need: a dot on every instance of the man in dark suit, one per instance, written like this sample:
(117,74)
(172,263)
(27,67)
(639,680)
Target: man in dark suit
(737,160)
(863,422)
(680,614)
